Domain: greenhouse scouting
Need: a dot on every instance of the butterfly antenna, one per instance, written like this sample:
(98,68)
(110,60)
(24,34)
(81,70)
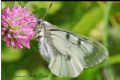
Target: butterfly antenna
(47,11)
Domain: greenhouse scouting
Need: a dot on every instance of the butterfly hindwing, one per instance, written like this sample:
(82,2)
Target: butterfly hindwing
(65,65)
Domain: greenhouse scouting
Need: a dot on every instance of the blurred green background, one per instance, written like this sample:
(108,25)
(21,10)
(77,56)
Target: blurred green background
(98,20)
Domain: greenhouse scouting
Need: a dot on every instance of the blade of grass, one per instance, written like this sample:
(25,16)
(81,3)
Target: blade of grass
(106,20)
(106,15)
(88,21)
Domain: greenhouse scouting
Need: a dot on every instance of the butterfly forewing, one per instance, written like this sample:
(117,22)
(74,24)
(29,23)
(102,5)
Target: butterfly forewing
(88,51)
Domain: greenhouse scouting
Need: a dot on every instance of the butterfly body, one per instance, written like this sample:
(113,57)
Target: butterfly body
(67,53)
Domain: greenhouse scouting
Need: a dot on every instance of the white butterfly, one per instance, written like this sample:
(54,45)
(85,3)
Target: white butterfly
(67,53)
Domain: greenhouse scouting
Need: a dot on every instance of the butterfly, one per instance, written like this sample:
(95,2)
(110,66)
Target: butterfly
(67,53)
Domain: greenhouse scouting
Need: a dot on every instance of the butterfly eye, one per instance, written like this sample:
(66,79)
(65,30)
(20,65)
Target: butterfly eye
(39,22)
(39,37)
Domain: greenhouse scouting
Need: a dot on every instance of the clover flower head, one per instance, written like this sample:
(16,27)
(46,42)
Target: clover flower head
(18,26)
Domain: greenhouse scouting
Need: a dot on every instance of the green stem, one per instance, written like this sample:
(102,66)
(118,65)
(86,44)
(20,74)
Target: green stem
(114,59)
(106,20)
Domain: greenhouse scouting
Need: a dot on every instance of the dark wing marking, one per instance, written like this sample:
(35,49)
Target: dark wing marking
(91,51)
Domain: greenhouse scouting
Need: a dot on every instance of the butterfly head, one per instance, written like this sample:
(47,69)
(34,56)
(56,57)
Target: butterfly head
(40,22)
(43,24)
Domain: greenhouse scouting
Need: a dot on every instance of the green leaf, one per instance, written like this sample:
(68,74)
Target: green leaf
(40,13)
(16,4)
(88,74)
(89,20)
(114,59)
(20,3)
(39,4)
(115,8)
(107,10)
(14,54)
(22,74)
(62,78)
(3,5)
